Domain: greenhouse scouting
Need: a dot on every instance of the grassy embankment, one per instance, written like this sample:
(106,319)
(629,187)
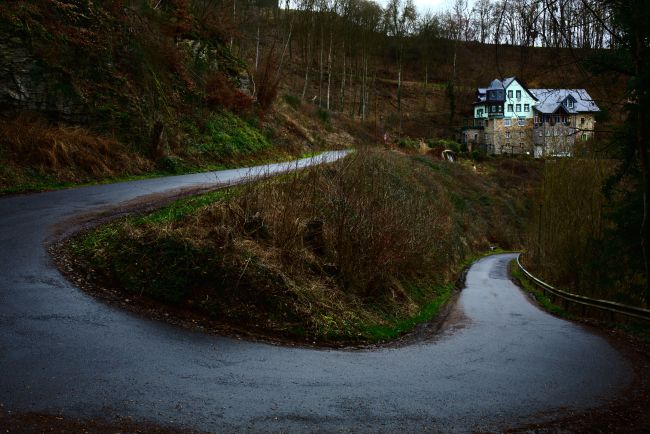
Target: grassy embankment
(361,250)
(544,301)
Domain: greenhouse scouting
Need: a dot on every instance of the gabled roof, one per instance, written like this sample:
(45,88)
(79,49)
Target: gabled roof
(551,99)
(508,81)
(511,79)
(497,84)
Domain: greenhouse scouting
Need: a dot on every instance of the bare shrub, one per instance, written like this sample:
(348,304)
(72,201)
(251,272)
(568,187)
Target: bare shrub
(267,81)
(369,221)
(570,224)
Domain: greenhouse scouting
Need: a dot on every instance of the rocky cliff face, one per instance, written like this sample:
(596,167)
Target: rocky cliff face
(26,84)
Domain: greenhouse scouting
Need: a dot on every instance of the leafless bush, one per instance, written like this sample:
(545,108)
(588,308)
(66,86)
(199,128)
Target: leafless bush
(569,223)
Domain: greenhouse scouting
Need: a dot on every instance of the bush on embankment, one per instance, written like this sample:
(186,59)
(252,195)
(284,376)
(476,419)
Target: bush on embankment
(360,249)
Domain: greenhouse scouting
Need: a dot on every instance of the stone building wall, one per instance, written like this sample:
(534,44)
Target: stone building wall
(513,139)
(587,127)
(559,139)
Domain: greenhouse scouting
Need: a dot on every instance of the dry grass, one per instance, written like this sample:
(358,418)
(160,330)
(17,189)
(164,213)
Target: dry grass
(67,154)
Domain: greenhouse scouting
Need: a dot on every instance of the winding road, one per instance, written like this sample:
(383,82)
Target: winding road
(499,360)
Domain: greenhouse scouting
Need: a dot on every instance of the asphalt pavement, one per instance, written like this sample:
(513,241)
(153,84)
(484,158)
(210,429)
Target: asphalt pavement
(499,360)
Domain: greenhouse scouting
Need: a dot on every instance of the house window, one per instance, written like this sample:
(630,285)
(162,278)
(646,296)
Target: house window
(526,108)
(557,132)
(507,134)
(522,122)
(509,94)
(584,137)
(518,107)
(536,119)
(479,112)
(518,94)
(507,122)
(548,133)
(558,118)
(510,106)
(539,133)
(582,121)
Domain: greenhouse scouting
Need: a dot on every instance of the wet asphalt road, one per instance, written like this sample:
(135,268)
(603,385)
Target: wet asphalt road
(498,362)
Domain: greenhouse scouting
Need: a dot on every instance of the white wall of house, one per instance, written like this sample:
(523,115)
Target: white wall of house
(519,103)
(480,112)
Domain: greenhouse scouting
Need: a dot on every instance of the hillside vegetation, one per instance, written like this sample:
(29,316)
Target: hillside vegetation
(115,89)
(97,90)
(357,251)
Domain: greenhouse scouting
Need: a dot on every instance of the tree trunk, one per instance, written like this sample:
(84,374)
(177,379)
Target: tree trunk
(307,64)
(257,45)
(320,72)
(342,97)
(329,71)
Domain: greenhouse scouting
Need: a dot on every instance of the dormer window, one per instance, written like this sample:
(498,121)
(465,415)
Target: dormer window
(570,103)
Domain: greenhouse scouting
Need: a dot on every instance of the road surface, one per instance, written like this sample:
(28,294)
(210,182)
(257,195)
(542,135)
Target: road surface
(499,362)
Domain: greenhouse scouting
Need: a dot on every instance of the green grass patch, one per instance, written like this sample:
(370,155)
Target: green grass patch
(227,135)
(183,207)
(398,326)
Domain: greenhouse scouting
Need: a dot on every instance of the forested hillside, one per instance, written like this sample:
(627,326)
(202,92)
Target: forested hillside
(94,90)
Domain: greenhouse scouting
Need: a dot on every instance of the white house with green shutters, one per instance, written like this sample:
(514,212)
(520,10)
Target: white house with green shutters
(508,98)
(508,117)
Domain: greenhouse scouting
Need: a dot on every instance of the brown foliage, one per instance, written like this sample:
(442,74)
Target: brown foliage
(371,221)
(69,153)
(221,94)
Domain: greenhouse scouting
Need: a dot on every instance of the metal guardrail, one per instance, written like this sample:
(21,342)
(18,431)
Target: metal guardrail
(612,307)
